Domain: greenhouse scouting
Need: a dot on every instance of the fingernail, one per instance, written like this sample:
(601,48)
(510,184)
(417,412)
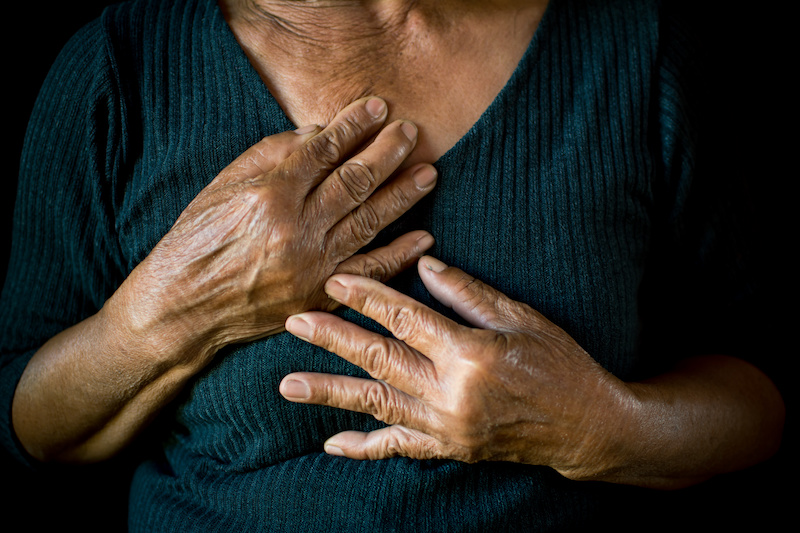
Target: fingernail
(330,449)
(376,107)
(298,327)
(409,129)
(306,129)
(335,290)
(425,242)
(424,177)
(293,388)
(433,264)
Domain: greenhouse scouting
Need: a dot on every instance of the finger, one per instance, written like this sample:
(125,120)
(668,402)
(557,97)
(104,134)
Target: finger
(383,358)
(385,206)
(387,261)
(478,303)
(416,325)
(349,130)
(392,441)
(373,397)
(358,177)
(265,155)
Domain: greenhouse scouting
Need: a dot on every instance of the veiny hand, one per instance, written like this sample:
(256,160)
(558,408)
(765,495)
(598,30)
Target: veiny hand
(514,388)
(258,243)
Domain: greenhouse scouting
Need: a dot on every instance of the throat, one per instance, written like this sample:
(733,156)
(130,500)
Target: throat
(318,56)
(323,22)
(439,71)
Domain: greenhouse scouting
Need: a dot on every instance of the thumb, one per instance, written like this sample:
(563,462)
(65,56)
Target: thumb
(265,155)
(476,302)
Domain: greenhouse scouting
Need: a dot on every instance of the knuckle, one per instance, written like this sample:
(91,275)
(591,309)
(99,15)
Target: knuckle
(470,292)
(268,151)
(462,413)
(434,450)
(357,180)
(254,196)
(393,446)
(404,442)
(377,357)
(376,269)
(381,403)
(515,354)
(473,295)
(466,405)
(403,322)
(326,148)
(332,145)
(377,266)
(353,126)
(485,361)
(366,223)
(400,443)
(401,197)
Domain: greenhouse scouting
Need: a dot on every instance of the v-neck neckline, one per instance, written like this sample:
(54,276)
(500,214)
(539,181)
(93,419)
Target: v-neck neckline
(502,99)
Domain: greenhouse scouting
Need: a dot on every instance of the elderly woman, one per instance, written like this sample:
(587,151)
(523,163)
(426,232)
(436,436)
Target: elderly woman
(153,277)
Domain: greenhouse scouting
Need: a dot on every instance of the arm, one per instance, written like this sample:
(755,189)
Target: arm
(255,246)
(518,388)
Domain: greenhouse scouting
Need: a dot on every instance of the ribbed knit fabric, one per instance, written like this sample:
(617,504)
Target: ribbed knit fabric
(561,195)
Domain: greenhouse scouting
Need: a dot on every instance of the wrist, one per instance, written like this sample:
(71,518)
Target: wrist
(641,440)
(146,325)
(611,441)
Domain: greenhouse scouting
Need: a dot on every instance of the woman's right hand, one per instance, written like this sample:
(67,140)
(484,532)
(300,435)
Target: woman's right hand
(259,242)
(255,246)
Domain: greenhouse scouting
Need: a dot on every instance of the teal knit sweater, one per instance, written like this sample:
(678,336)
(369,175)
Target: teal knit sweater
(574,192)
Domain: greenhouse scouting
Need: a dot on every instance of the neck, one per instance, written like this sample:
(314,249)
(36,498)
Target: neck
(330,24)
(330,43)
(439,63)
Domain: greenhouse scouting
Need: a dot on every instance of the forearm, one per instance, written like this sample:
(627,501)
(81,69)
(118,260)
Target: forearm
(515,387)
(91,389)
(254,246)
(711,415)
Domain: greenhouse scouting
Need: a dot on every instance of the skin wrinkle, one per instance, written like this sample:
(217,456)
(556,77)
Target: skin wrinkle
(572,393)
(241,257)
(309,24)
(357,179)
(375,363)
(311,28)
(567,384)
(438,64)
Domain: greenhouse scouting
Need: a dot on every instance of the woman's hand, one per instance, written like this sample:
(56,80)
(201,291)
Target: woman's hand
(514,388)
(517,388)
(259,242)
(256,245)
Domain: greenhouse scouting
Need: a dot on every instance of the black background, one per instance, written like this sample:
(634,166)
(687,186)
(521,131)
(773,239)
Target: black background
(754,116)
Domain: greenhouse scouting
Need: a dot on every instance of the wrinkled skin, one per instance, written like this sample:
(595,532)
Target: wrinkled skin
(259,242)
(502,390)
(255,246)
(515,387)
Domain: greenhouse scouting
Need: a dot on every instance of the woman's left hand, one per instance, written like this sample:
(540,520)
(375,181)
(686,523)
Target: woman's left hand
(515,387)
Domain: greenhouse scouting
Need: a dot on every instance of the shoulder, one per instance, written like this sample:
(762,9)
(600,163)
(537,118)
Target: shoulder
(139,26)
(604,39)
(614,19)
(136,35)
(124,63)
(140,35)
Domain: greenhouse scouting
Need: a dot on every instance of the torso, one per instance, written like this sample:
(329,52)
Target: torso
(547,198)
(413,62)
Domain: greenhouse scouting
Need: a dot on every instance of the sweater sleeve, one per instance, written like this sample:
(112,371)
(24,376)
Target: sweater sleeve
(65,261)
